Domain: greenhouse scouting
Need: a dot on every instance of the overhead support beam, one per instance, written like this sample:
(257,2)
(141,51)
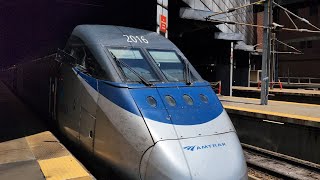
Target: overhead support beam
(229,36)
(198,15)
(244,47)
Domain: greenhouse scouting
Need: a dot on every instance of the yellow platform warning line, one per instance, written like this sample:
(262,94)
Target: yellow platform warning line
(55,161)
(295,103)
(275,101)
(285,115)
(62,168)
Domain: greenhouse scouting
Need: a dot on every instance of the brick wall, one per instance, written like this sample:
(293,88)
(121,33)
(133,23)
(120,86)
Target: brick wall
(308,64)
(259,30)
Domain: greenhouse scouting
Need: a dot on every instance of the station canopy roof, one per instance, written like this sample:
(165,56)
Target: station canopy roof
(200,15)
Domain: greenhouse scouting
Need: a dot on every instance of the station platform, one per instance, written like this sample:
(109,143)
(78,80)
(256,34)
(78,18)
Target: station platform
(285,127)
(291,95)
(28,150)
(278,111)
(300,92)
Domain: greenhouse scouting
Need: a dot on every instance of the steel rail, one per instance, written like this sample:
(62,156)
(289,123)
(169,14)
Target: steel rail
(280,165)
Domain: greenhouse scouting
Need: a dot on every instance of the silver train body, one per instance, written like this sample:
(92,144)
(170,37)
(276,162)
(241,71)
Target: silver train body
(131,98)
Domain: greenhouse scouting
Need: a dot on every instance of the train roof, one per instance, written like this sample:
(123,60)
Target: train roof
(96,37)
(110,35)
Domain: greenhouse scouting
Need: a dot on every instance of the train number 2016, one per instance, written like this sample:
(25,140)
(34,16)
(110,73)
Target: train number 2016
(136,39)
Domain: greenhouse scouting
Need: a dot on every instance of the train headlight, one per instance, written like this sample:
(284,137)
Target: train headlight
(152,102)
(170,100)
(204,98)
(188,99)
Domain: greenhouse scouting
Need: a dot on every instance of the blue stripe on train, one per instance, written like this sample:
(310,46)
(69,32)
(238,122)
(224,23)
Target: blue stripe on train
(116,94)
(181,114)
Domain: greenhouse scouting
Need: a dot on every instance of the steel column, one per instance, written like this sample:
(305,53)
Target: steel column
(231,67)
(266,52)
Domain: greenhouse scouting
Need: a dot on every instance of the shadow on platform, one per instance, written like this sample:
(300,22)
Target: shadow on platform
(17,121)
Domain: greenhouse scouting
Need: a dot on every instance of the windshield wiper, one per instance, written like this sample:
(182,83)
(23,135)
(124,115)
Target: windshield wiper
(188,74)
(119,63)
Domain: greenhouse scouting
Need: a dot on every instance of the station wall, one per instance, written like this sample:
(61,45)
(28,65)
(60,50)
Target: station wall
(30,81)
(36,28)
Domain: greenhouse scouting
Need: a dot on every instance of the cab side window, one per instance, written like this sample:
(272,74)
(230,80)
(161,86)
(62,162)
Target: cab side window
(92,66)
(75,48)
(86,62)
(79,54)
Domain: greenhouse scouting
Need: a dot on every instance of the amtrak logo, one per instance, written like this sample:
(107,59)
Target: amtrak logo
(209,146)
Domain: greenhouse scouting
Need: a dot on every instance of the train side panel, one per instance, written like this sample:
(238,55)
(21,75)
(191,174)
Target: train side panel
(121,137)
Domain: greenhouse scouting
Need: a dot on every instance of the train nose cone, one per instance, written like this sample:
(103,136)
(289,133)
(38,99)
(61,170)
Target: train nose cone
(165,161)
(211,157)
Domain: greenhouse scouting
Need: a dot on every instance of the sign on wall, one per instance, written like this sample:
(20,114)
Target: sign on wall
(162,17)
(163,23)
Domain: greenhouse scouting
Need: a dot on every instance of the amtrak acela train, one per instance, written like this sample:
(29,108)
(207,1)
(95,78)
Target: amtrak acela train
(131,99)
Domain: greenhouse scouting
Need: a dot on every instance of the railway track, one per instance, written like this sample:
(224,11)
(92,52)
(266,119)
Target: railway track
(254,174)
(264,164)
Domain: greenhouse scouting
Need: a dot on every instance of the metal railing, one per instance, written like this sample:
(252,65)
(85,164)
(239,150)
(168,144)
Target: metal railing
(216,86)
(272,84)
(300,80)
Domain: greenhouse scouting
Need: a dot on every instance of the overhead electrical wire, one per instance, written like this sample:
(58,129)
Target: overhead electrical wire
(300,18)
(291,20)
(300,30)
(261,26)
(231,15)
(234,22)
(287,45)
(281,52)
(234,9)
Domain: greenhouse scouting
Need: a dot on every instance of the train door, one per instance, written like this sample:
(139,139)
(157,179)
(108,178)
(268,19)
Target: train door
(89,98)
(69,98)
(75,117)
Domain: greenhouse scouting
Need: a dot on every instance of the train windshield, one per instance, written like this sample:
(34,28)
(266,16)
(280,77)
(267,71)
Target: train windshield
(171,65)
(134,65)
